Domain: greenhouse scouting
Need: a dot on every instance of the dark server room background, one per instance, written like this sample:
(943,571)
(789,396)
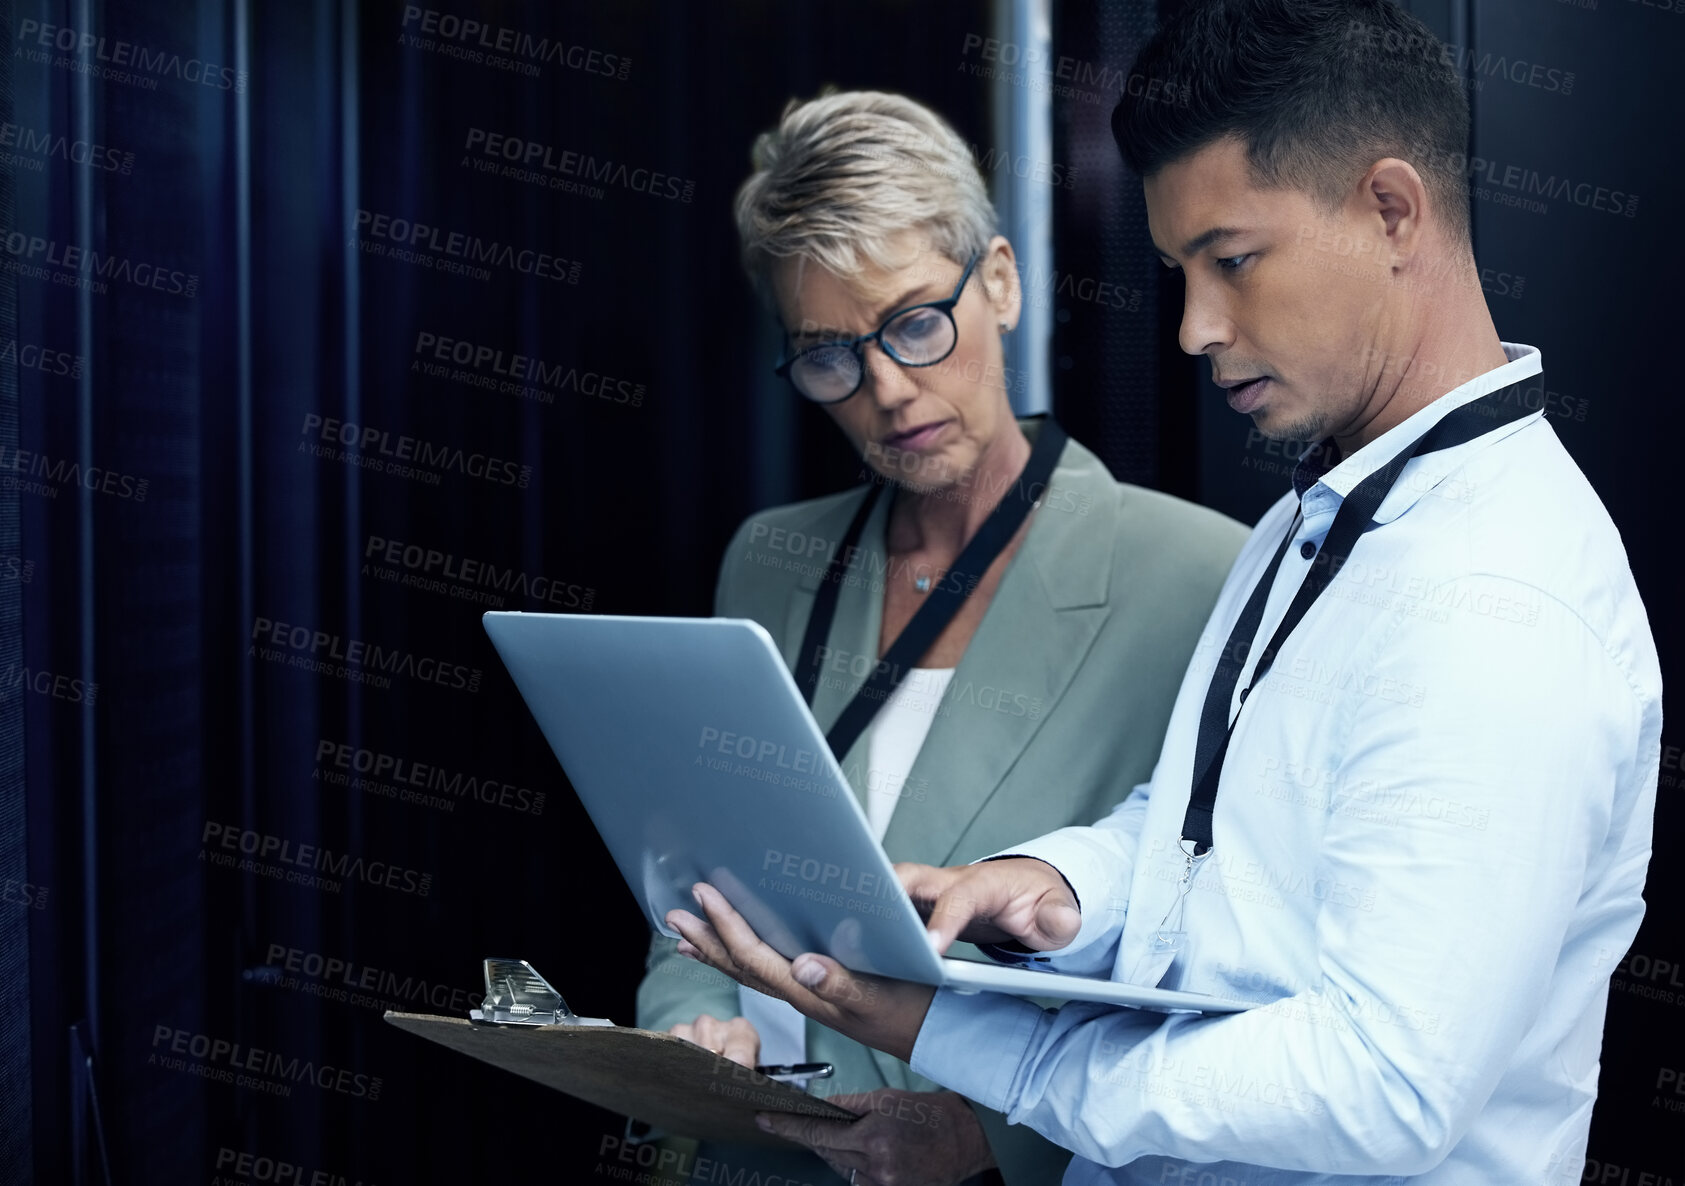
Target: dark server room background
(257,300)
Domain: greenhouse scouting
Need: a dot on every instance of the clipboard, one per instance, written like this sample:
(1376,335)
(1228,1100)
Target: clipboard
(525,1027)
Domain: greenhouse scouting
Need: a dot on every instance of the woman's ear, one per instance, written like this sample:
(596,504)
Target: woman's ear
(1001,282)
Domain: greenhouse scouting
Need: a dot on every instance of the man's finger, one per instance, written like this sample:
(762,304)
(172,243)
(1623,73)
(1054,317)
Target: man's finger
(1022,899)
(759,964)
(811,1131)
(832,983)
(924,883)
(853,1101)
(952,913)
(701,936)
(1056,924)
(1043,914)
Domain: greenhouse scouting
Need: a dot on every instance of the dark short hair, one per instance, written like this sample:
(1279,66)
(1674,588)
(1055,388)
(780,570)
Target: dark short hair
(1317,90)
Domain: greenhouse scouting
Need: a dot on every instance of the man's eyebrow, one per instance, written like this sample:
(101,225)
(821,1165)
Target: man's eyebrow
(900,302)
(1197,244)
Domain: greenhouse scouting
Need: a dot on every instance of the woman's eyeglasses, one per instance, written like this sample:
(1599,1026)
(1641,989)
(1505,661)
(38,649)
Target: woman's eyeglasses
(917,336)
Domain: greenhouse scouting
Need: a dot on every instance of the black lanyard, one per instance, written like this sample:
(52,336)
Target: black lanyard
(939,608)
(1461,425)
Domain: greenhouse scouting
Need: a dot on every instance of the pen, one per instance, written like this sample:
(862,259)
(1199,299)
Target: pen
(785,1072)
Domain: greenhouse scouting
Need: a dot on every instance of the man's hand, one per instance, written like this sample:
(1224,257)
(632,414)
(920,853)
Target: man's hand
(1015,898)
(885,1014)
(931,1138)
(735,1038)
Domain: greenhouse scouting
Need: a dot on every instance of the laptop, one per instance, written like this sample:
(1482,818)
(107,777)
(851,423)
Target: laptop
(696,757)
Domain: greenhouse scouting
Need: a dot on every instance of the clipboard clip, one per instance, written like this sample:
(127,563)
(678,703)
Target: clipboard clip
(518,995)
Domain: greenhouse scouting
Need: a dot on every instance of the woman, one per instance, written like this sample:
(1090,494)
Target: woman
(1062,605)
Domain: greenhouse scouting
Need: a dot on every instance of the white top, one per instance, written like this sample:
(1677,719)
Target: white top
(1431,836)
(898,732)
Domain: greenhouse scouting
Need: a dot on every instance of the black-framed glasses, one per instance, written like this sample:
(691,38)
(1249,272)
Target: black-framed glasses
(917,336)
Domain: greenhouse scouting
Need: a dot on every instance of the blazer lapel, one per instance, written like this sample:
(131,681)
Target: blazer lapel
(1045,615)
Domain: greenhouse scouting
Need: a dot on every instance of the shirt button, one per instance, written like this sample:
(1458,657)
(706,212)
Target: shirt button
(1307,549)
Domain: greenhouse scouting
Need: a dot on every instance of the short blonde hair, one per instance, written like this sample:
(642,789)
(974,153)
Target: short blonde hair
(847,172)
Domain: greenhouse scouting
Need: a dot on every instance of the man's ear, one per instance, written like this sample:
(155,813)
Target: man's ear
(1394,194)
(999,270)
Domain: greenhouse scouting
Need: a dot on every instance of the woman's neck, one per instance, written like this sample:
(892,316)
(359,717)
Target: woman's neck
(942,522)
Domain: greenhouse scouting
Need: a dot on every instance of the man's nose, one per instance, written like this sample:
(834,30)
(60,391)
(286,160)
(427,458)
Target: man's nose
(1205,324)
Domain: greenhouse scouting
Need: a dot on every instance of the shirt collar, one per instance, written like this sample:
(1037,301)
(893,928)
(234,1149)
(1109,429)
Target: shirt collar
(1423,473)
(1313,463)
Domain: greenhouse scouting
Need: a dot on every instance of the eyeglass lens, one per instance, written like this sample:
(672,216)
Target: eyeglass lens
(917,337)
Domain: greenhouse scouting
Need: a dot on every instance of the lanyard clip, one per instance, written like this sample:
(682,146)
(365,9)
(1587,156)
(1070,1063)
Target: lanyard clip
(1194,857)
(1168,941)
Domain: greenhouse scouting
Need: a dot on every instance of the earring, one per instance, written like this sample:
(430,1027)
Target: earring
(1003,327)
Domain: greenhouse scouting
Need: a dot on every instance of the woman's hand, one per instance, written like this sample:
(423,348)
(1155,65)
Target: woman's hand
(734,1038)
(931,1138)
(885,1014)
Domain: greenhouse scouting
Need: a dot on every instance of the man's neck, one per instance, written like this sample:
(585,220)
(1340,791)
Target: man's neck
(1459,344)
(943,521)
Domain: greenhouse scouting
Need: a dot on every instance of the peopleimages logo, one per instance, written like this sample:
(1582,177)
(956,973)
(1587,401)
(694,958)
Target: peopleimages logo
(38,257)
(248,1066)
(254,1167)
(1094,82)
(63,472)
(29,142)
(455,251)
(33,357)
(22,893)
(425,568)
(459,33)
(358,984)
(1530,184)
(534,156)
(406,773)
(117,57)
(1459,60)
(50,684)
(402,455)
(516,374)
(312,866)
(317,650)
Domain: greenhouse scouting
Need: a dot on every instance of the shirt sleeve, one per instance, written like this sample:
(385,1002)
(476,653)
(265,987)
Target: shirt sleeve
(1416,1004)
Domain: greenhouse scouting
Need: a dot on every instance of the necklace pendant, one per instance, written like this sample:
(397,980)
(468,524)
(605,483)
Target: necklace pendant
(922,584)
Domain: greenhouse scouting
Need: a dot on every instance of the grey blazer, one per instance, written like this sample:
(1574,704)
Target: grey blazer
(1055,712)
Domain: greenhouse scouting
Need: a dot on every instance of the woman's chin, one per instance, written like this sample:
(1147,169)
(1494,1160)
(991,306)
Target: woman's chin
(934,474)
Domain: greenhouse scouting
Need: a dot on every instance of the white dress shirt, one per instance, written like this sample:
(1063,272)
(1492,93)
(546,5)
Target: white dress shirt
(1431,837)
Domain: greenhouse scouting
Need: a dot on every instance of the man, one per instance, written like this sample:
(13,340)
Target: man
(1405,795)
